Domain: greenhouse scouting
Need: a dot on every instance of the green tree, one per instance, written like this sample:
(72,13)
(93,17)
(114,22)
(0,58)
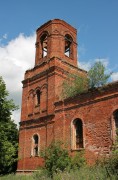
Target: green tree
(8,132)
(97,76)
(73,85)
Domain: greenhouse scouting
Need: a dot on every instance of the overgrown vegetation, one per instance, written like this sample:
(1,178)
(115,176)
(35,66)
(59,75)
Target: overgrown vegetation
(74,84)
(60,166)
(57,159)
(70,168)
(111,163)
(8,132)
(84,173)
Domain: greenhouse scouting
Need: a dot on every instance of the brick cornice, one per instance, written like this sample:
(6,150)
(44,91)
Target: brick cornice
(92,96)
(50,69)
(83,103)
(35,77)
(57,21)
(37,122)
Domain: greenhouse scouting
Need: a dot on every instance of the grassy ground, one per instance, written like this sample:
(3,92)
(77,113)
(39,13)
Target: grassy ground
(16,177)
(85,173)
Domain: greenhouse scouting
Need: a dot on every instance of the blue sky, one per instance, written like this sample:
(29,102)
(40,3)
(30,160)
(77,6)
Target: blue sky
(95,20)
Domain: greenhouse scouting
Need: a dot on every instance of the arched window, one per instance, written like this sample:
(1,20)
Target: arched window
(38,97)
(35,145)
(68,45)
(77,134)
(44,45)
(115,115)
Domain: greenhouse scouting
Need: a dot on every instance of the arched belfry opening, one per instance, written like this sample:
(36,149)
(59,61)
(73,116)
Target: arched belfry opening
(68,45)
(58,39)
(44,46)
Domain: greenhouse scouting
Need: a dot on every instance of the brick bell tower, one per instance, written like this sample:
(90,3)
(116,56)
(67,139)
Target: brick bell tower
(56,56)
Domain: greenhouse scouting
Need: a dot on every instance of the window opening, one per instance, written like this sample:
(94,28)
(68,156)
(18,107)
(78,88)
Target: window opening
(35,146)
(78,134)
(68,43)
(44,45)
(38,97)
(116,121)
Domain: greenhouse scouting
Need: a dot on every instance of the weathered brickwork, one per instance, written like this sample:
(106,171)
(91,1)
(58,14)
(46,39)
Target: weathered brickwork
(83,122)
(95,109)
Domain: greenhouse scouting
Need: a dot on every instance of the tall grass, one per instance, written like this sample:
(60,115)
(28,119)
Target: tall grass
(16,177)
(84,173)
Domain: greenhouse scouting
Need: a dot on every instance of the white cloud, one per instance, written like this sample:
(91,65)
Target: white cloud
(114,76)
(84,65)
(87,65)
(105,61)
(15,58)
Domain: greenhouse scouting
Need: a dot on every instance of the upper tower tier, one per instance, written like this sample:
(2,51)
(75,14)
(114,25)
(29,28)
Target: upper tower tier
(56,38)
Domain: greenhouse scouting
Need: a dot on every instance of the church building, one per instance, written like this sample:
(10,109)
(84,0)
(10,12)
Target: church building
(86,122)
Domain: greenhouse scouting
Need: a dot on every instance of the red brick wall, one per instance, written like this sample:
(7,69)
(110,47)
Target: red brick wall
(95,109)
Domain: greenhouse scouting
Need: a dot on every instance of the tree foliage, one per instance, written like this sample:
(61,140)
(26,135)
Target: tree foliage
(97,76)
(6,106)
(56,158)
(112,164)
(8,132)
(75,84)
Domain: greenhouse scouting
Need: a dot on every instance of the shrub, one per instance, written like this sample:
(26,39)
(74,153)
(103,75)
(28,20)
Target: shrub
(78,160)
(56,158)
(112,162)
